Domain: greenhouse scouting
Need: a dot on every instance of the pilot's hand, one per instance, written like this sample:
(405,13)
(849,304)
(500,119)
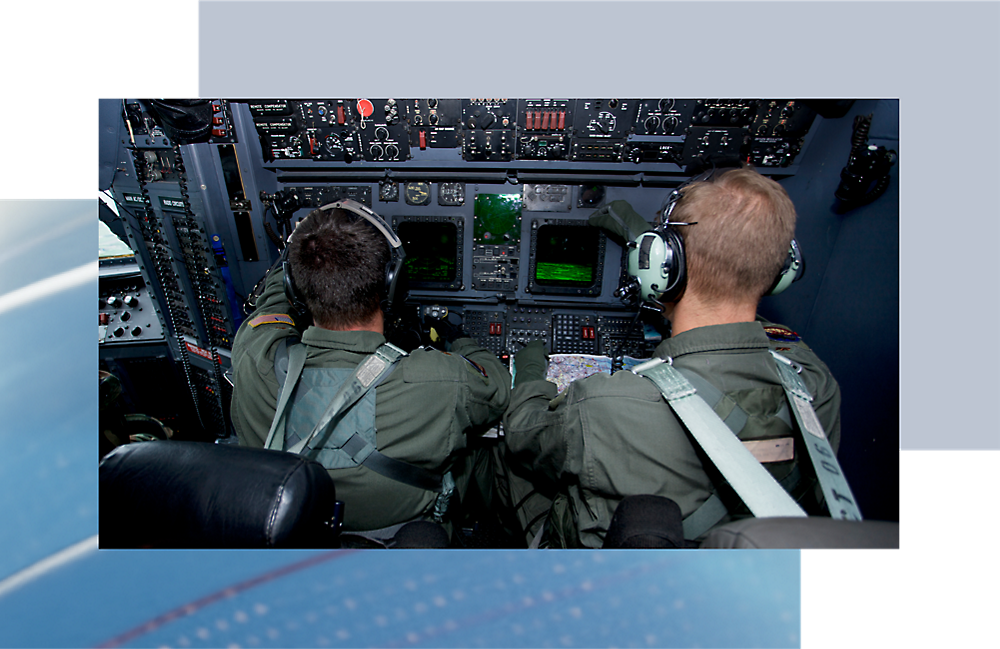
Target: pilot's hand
(530,363)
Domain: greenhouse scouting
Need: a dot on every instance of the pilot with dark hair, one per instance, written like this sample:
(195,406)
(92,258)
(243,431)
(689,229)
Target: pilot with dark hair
(571,458)
(397,453)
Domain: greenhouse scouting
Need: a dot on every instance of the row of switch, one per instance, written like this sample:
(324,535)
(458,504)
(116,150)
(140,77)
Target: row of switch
(544,121)
(218,121)
(114,301)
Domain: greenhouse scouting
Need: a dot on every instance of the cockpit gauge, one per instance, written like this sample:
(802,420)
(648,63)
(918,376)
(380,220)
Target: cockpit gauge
(417,194)
(451,193)
(388,191)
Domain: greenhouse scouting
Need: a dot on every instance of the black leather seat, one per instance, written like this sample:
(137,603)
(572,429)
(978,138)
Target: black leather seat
(804,533)
(655,522)
(173,494)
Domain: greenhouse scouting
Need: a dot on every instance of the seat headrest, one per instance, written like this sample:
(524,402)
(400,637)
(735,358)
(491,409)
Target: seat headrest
(173,494)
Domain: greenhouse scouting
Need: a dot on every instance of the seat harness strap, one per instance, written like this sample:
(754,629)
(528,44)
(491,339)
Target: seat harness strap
(751,481)
(366,376)
(839,498)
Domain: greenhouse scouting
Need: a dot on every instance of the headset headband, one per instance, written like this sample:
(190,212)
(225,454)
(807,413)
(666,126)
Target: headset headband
(394,268)
(369,215)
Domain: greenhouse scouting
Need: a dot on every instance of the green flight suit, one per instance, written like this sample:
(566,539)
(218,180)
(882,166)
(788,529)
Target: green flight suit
(424,410)
(609,436)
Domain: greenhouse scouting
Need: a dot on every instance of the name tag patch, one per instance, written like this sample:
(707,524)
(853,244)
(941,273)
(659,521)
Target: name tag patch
(771,450)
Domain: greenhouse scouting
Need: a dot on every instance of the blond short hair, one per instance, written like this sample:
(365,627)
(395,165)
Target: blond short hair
(745,223)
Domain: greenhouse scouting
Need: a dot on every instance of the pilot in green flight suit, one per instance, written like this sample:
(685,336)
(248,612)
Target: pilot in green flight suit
(423,413)
(570,459)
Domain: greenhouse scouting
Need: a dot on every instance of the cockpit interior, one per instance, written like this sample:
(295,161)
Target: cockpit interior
(491,199)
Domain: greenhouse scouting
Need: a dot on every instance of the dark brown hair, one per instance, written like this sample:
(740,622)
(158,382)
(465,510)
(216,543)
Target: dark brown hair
(338,265)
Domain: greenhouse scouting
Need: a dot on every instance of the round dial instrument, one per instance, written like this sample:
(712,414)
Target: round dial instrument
(417,193)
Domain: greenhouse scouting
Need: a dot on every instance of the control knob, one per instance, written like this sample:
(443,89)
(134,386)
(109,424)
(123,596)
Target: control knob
(131,301)
(114,301)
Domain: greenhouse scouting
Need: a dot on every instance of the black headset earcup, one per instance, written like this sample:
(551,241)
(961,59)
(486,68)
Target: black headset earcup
(395,281)
(291,292)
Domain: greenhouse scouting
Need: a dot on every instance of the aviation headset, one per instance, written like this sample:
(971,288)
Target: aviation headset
(657,264)
(393,269)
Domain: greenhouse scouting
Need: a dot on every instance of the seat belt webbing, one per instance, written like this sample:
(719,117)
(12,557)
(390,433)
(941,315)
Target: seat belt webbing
(714,510)
(751,481)
(839,498)
(366,376)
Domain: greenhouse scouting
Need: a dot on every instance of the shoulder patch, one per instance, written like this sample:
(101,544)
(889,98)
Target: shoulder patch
(272,318)
(479,367)
(782,334)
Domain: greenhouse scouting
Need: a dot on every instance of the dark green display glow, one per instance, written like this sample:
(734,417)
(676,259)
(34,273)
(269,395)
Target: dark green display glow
(566,255)
(563,273)
(431,251)
(497,219)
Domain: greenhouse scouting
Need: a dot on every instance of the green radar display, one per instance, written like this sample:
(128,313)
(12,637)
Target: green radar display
(431,251)
(567,256)
(497,219)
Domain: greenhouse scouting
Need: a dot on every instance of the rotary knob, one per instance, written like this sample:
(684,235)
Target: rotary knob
(114,301)
(131,301)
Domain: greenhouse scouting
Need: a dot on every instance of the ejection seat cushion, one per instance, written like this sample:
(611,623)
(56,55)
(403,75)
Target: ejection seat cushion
(173,494)
(804,533)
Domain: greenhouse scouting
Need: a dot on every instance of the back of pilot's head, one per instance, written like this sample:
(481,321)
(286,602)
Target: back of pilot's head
(745,222)
(338,265)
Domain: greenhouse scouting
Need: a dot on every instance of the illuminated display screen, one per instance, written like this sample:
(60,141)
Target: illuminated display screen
(431,251)
(566,256)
